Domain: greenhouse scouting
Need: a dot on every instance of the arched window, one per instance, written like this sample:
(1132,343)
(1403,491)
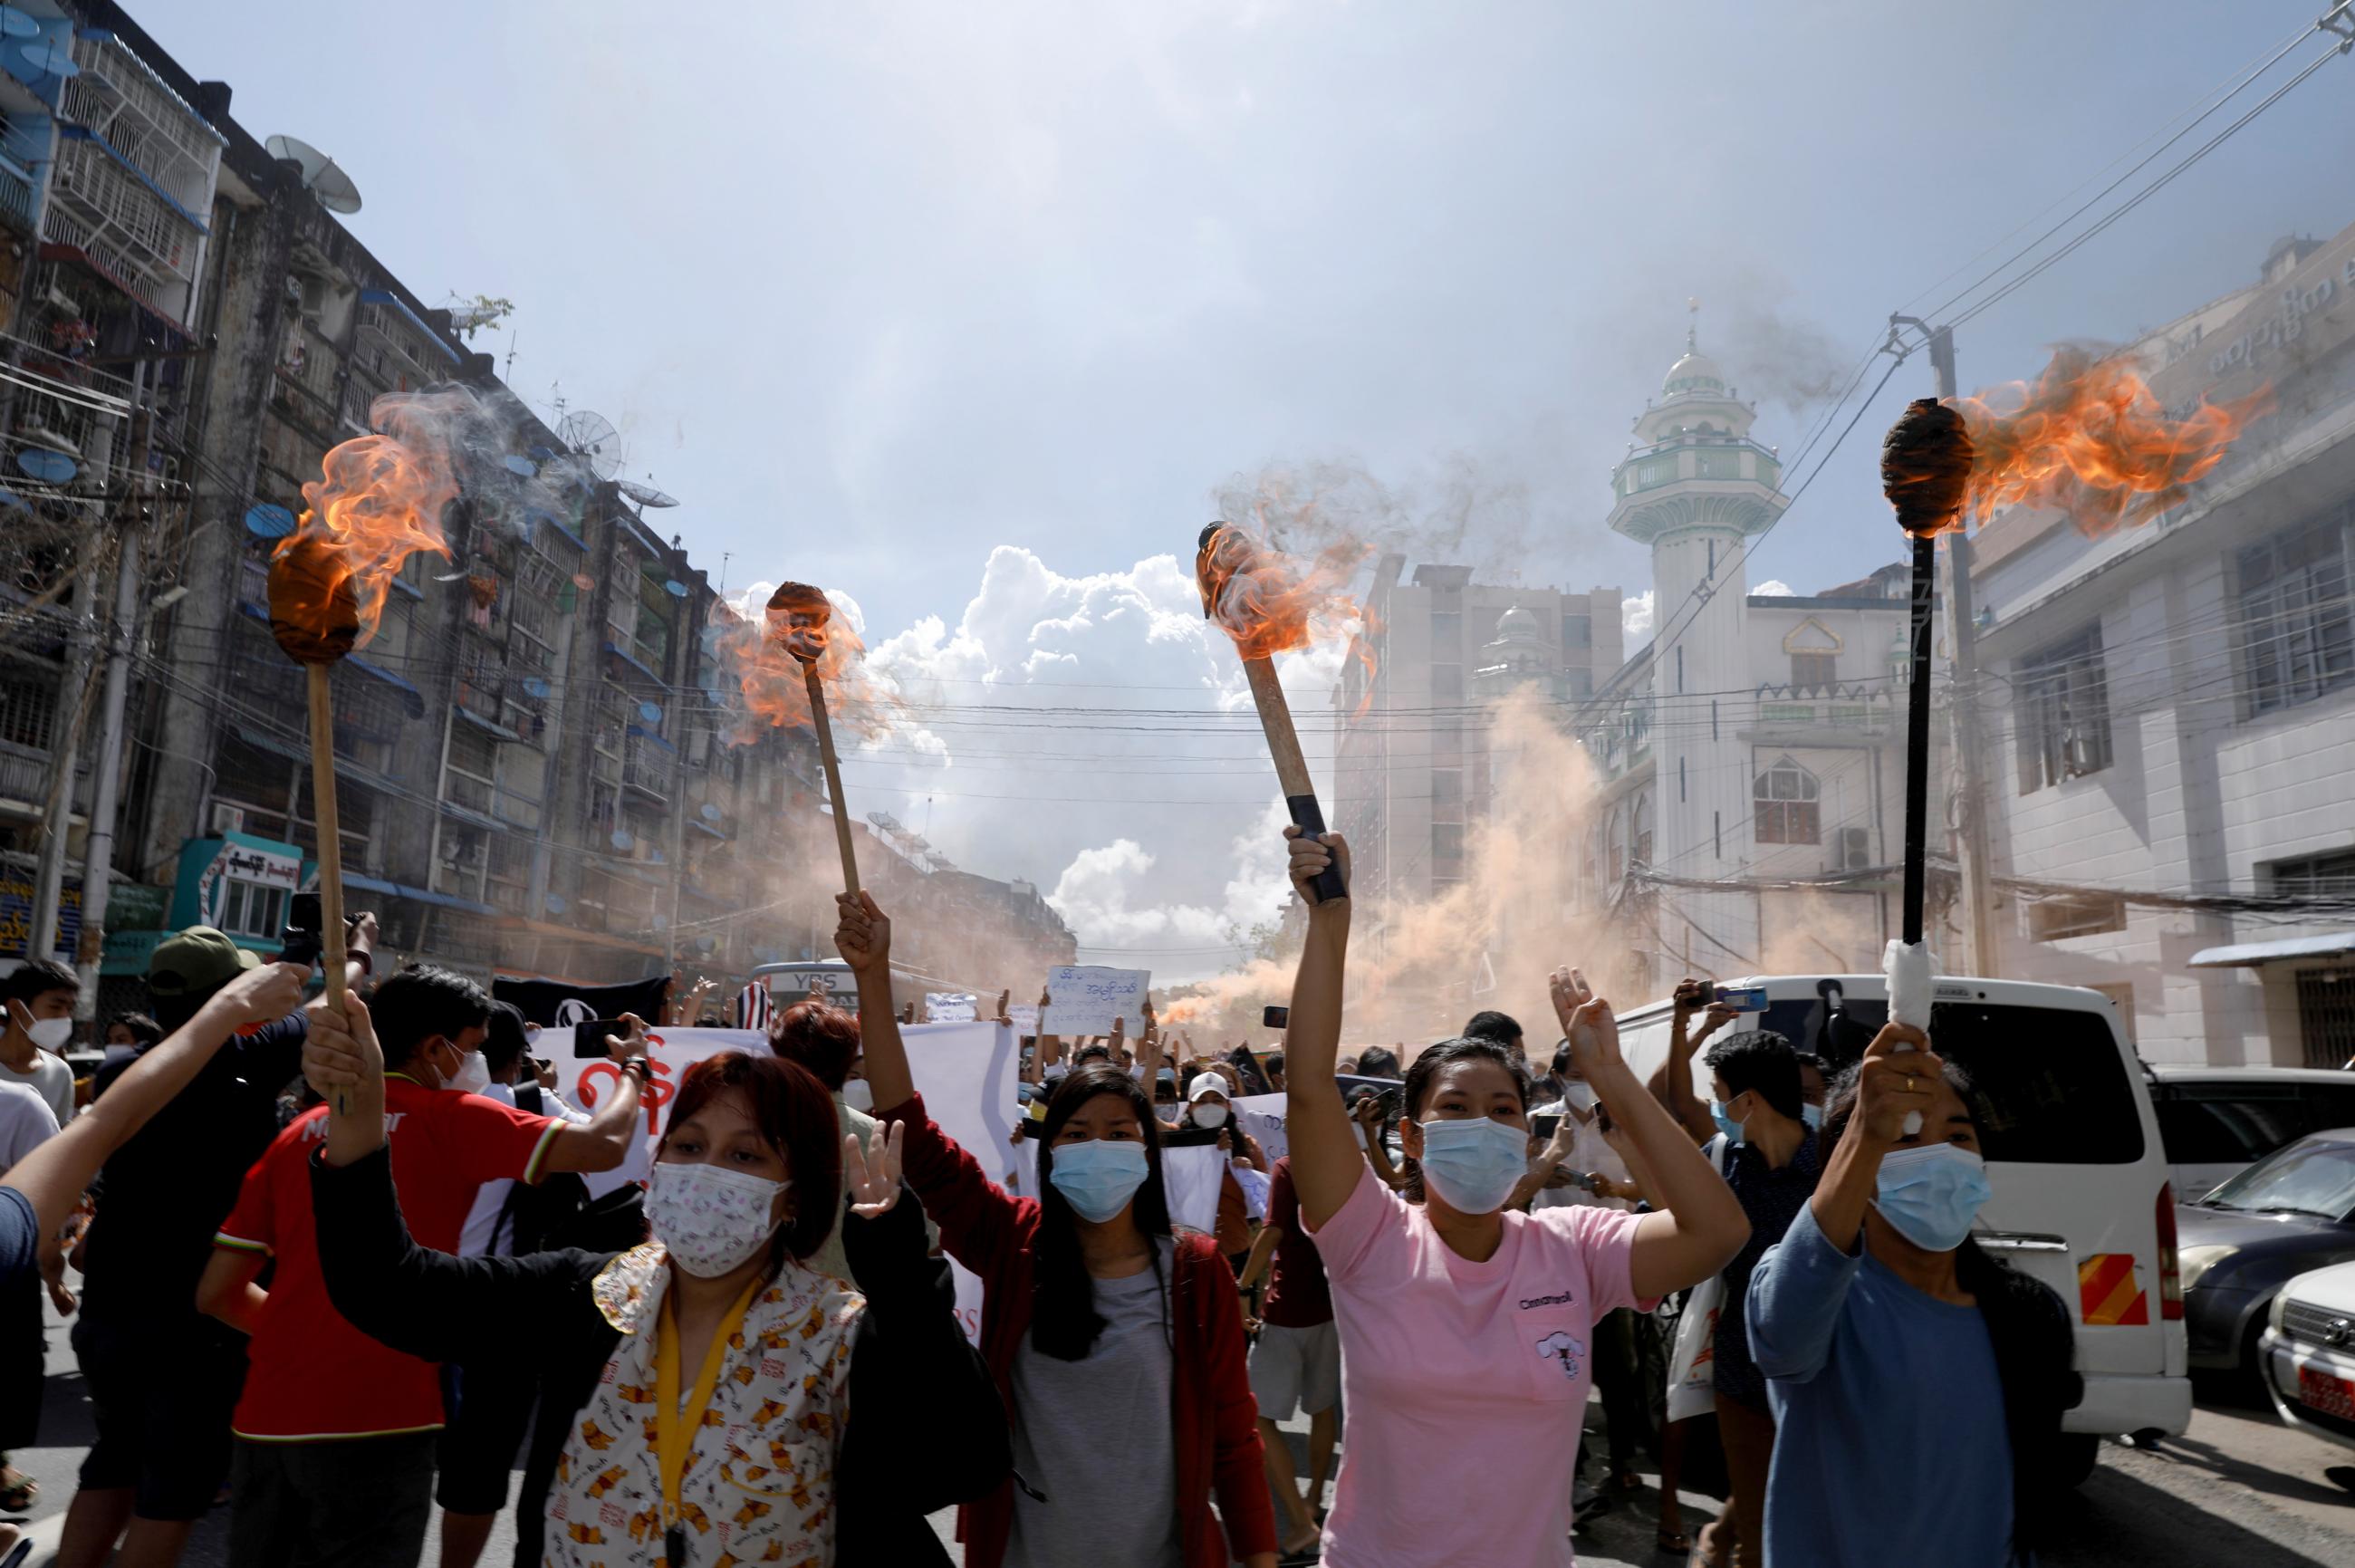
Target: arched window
(1785,805)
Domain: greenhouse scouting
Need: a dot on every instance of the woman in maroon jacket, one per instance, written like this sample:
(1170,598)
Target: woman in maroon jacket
(1117,1345)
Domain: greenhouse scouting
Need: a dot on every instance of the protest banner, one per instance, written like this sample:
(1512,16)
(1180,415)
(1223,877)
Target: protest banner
(1262,1116)
(1190,1180)
(586,1080)
(1086,997)
(966,1074)
(950,1007)
(1025,1016)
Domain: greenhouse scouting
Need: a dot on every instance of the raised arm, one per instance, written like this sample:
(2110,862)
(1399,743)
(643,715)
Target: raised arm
(53,1176)
(1326,1166)
(863,936)
(1701,1225)
(1683,1104)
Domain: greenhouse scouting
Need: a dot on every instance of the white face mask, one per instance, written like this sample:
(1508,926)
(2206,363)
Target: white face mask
(1209,1113)
(1580,1094)
(858,1094)
(473,1074)
(52,1034)
(709,1219)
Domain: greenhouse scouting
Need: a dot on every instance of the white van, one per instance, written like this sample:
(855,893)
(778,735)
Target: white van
(2218,1121)
(2082,1199)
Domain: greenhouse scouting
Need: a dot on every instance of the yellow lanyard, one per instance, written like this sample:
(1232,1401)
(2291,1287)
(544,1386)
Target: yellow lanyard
(675,1428)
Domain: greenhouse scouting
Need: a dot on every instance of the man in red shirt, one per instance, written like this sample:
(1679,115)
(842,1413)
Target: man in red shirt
(1297,1358)
(335,1450)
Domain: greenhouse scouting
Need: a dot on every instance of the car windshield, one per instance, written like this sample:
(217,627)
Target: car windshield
(2305,1178)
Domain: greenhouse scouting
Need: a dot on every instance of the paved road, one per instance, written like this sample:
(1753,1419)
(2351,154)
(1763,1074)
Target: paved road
(2238,1489)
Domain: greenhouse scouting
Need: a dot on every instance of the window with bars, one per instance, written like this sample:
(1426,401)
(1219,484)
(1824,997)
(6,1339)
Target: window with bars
(2297,638)
(2061,713)
(2326,876)
(2325,1017)
(1786,804)
(29,704)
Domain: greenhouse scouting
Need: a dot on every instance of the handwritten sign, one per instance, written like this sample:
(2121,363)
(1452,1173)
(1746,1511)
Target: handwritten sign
(1026,1018)
(1085,997)
(950,1007)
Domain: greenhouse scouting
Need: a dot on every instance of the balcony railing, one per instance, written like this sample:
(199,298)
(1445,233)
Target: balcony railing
(116,96)
(104,210)
(26,774)
(647,767)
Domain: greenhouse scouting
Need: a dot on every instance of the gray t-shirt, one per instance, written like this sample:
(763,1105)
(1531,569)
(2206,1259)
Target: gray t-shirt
(1082,1434)
(51,1078)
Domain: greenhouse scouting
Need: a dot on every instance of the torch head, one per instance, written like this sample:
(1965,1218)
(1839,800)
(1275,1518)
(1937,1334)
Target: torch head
(1925,466)
(798,614)
(314,612)
(1222,550)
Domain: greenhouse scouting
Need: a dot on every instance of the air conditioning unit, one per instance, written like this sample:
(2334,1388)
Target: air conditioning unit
(1855,848)
(228,818)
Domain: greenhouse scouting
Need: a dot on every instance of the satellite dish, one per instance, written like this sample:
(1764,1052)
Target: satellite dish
(48,468)
(269,521)
(521,468)
(583,582)
(321,178)
(43,58)
(542,452)
(535,686)
(644,495)
(16,24)
(556,904)
(675,588)
(711,812)
(650,711)
(621,839)
(592,438)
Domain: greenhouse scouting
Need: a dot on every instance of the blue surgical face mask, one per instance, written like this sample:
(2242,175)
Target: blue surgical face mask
(1473,1164)
(1931,1195)
(1813,1115)
(1725,1124)
(1099,1177)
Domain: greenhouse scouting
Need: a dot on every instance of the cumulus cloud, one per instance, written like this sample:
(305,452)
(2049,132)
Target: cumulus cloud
(1636,617)
(1776,587)
(1094,734)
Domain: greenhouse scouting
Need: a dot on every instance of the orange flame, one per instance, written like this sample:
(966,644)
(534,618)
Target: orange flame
(1270,603)
(2091,440)
(797,630)
(378,501)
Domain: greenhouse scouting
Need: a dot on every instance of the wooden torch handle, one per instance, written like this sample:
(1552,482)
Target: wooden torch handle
(331,848)
(832,778)
(1290,767)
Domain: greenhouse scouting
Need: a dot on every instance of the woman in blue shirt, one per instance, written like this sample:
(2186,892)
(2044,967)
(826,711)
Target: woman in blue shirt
(1896,1349)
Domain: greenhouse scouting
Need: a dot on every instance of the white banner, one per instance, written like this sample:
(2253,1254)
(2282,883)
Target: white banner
(1262,1116)
(1190,1180)
(1026,1018)
(950,1007)
(669,1053)
(966,1074)
(1084,998)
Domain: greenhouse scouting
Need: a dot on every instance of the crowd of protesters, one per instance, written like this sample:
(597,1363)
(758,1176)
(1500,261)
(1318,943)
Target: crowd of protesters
(343,1261)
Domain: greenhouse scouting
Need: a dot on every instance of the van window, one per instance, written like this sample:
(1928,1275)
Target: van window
(2228,1124)
(2054,1087)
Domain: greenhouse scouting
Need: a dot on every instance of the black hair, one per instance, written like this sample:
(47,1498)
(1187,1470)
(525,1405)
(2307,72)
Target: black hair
(1092,1053)
(1378,1062)
(2034,1340)
(38,978)
(1760,1059)
(1562,1059)
(419,1003)
(1499,1026)
(1064,1321)
(504,1046)
(1421,1077)
(1270,1060)
(144,1030)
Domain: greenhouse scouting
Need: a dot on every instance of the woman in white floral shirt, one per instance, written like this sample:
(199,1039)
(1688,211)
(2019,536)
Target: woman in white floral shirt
(728,1403)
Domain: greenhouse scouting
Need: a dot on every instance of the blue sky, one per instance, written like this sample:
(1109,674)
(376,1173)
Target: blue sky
(876,290)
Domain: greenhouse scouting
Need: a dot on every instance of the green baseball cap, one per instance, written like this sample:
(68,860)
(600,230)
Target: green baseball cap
(196,963)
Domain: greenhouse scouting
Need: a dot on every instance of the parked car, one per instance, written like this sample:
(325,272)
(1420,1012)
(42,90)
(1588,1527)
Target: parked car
(2307,1353)
(2082,1199)
(2292,1211)
(2218,1121)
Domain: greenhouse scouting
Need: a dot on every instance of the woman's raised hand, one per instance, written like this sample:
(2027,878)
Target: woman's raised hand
(873,1176)
(1587,1022)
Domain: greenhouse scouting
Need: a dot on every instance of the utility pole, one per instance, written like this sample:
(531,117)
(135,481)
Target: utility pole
(98,857)
(1963,711)
(65,731)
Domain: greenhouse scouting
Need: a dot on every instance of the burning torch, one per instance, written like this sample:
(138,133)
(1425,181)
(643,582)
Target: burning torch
(378,501)
(2088,439)
(1251,593)
(798,614)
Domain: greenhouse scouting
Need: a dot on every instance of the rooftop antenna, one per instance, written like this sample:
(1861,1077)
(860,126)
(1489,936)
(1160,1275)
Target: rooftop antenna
(509,377)
(725,556)
(321,178)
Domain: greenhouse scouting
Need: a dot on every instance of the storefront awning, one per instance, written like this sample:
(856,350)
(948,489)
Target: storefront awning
(2251,954)
(420,895)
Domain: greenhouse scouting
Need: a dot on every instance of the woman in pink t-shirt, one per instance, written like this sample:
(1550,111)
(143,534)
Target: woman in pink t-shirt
(1464,1327)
